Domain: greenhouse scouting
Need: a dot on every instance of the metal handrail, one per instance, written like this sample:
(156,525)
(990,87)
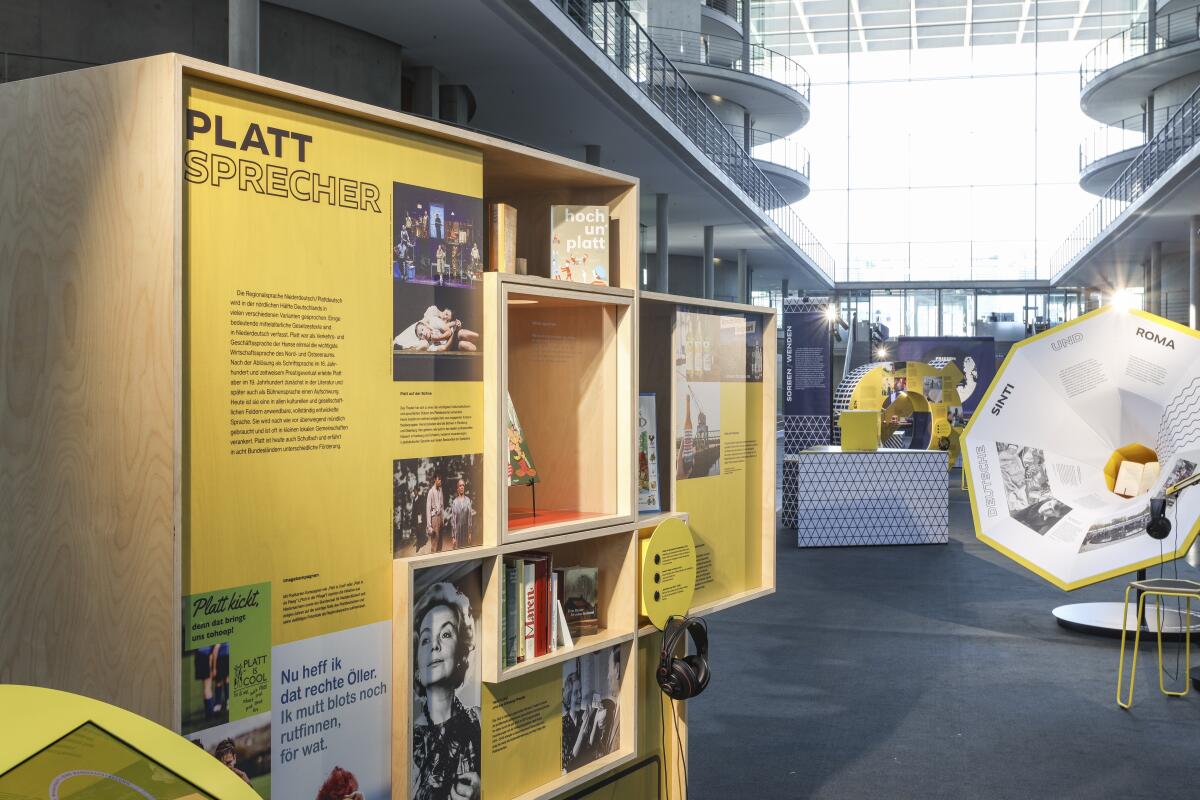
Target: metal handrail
(1176,138)
(613,29)
(693,47)
(731,8)
(1182,27)
(775,149)
(1126,134)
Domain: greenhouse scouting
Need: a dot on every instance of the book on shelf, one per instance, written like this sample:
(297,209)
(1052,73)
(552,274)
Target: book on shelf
(502,241)
(529,622)
(579,249)
(539,614)
(512,590)
(551,605)
(580,590)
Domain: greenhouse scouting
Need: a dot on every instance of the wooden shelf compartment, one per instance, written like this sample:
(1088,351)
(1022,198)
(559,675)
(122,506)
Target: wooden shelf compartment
(613,552)
(662,370)
(564,353)
(532,191)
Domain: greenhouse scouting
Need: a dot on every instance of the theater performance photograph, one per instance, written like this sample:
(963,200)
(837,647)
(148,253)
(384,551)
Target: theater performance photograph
(437,273)
(436,504)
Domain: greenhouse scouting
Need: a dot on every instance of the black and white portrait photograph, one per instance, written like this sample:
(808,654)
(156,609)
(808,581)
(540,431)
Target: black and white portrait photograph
(591,719)
(446,683)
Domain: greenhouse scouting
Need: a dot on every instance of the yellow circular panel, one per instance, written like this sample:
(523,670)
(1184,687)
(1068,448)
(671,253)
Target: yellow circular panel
(58,744)
(668,571)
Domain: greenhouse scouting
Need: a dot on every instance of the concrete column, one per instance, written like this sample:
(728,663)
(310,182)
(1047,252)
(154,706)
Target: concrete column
(454,104)
(1194,274)
(1156,298)
(745,4)
(1151,25)
(591,154)
(743,288)
(662,212)
(939,312)
(243,35)
(1148,122)
(710,269)
(747,131)
(427,92)
(784,288)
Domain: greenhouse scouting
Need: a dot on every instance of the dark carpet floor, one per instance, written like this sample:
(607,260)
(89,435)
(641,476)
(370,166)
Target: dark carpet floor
(929,672)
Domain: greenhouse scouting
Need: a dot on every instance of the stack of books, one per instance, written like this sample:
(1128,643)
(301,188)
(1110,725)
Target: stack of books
(545,608)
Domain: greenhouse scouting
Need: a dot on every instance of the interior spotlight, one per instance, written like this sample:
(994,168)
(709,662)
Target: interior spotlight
(881,353)
(831,313)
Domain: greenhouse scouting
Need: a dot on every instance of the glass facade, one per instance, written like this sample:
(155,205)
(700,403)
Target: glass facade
(945,133)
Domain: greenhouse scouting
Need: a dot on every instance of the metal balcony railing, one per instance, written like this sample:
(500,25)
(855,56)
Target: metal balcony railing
(1107,140)
(775,149)
(691,47)
(1180,133)
(732,8)
(1181,27)
(613,29)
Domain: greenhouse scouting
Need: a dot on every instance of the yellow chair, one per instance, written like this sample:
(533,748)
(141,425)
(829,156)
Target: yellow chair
(1158,588)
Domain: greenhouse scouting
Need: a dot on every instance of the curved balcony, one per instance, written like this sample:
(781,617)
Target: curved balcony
(1120,72)
(771,86)
(1105,153)
(1156,159)
(785,162)
(722,17)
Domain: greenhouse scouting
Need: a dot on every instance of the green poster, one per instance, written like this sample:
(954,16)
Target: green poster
(226,655)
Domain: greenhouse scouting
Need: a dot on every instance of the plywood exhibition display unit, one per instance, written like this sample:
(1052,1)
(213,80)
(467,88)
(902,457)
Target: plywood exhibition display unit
(299,462)
(710,366)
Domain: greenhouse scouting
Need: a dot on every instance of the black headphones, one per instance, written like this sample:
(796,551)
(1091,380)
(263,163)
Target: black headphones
(1159,527)
(683,678)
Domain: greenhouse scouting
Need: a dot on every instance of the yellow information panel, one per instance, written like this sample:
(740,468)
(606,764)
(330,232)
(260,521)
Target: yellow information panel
(668,572)
(332,421)
(718,448)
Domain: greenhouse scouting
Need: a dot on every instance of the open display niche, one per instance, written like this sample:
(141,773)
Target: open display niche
(565,358)
(704,355)
(613,554)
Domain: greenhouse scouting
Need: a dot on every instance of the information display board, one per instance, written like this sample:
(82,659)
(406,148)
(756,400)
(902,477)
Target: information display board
(314,241)
(1067,407)
(718,447)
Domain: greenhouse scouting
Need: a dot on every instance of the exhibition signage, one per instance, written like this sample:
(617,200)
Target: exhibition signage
(1081,427)
(718,445)
(312,243)
(806,365)
(975,356)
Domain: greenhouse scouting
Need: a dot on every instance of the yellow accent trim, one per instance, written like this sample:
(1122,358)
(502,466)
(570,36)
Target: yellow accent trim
(981,408)
(1157,594)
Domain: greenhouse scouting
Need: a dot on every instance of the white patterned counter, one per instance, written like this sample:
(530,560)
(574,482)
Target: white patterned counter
(877,498)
